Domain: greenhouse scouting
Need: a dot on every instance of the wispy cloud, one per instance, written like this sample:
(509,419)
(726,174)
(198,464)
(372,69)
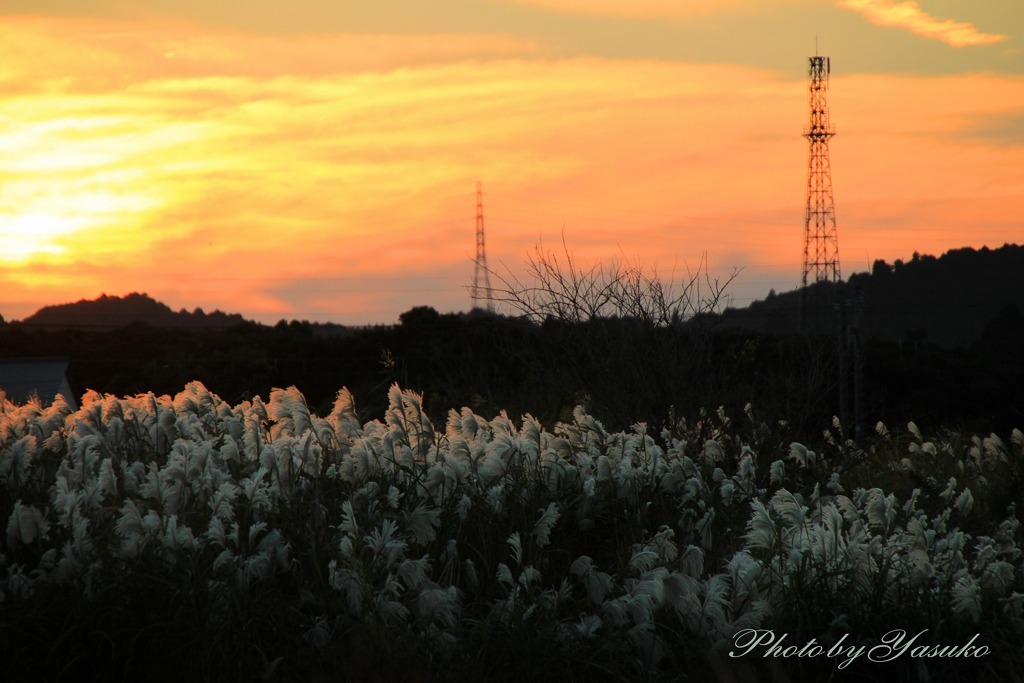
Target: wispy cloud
(638,8)
(332,176)
(1003,129)
(907,14)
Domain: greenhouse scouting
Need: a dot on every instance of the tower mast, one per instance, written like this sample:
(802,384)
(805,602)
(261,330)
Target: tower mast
(821,244)
(481,275)
(821,240)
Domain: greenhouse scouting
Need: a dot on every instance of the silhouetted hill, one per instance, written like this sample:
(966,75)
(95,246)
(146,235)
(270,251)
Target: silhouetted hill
(959,299)
(108,312)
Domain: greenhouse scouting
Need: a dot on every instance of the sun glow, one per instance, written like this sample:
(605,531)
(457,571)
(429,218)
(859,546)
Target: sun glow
(331,176)
(33,235)
(70,227)
(41,223)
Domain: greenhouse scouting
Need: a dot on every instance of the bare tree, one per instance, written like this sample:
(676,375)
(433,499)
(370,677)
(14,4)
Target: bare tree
(561,289)
(615,335)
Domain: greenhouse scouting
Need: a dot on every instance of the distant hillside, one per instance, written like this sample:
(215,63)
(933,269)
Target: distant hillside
(109,312)
(961,298)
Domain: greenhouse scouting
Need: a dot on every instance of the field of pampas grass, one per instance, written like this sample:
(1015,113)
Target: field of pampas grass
(158,535)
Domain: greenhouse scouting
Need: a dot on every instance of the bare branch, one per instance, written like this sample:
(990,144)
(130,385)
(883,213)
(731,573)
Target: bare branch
(568,292)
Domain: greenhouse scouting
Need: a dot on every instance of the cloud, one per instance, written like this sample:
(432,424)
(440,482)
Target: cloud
(645,8)
(907,14)
(219,184)
(101,55)
(1005,129)
(333,177)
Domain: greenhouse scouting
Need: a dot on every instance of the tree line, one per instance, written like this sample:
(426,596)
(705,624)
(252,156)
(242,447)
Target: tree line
(614,338)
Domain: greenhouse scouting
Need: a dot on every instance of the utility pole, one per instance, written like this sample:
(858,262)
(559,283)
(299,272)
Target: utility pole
(858,366)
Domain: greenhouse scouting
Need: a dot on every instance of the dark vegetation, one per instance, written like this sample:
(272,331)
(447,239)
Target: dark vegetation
(112,312)
(964,299)
(928,355)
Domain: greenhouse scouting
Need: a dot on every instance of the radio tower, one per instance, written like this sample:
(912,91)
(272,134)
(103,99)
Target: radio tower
(821,241)
(481,276)
(821,247)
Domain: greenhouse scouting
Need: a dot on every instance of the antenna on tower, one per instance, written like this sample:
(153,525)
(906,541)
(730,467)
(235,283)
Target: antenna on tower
(481,275)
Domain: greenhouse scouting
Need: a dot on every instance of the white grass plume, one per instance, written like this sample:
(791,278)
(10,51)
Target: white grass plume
(26,524)
(542,529)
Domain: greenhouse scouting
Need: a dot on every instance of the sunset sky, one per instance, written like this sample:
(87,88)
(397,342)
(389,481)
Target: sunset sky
(318,159)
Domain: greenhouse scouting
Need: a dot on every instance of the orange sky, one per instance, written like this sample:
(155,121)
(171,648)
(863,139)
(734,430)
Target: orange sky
(318,160)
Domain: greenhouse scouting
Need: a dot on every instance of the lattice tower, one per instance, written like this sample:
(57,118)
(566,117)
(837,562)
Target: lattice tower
(481,275)
(821,240)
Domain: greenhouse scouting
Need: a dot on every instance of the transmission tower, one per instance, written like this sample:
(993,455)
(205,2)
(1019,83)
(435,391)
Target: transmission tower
(481,276)
(821,241)
(821,250)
